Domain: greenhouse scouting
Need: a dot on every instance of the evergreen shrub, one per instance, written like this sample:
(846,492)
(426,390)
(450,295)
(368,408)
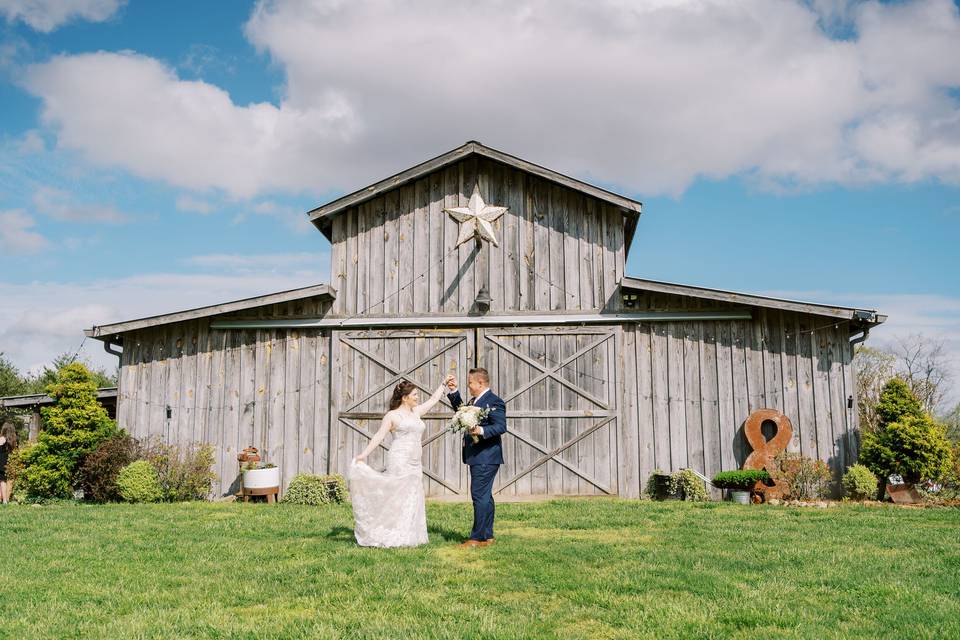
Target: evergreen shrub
(859,483)
(315,490)
(138,482)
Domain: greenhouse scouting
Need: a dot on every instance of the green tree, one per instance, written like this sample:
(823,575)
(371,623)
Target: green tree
(11,383)
(73,427)
(40,382)
(897,401)
(914,447)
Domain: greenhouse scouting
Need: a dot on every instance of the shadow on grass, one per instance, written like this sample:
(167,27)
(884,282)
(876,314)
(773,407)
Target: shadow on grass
(447,535)
(345,534)
(341,534)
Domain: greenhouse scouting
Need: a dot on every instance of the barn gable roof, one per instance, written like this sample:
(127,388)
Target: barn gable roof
(104,331)
(867,317)
(322,215)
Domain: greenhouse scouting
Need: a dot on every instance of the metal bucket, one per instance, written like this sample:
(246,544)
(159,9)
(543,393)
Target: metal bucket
(740,497)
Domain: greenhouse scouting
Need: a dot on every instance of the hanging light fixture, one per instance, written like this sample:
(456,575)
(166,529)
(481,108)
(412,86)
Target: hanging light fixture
(483,299)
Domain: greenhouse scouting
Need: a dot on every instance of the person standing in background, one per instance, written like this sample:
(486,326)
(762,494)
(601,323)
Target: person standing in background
(8,442)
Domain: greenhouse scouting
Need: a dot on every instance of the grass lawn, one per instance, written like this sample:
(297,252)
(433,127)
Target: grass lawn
(563,569)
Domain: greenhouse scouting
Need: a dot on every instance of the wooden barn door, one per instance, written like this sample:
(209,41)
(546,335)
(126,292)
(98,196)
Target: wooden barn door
(559,384)
(367,366)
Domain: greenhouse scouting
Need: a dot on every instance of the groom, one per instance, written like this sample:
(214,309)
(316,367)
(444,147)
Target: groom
(485,457)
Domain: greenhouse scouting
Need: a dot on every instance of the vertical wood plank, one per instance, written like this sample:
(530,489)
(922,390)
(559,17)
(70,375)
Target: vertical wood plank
(692,399)
(821,394)
(365,256)
(391,253)
(467,261)
(322,401)
(571,250)
(451,263)
(663,434)
(232,388)
(645,416)
(725,397)
(408,248)
(805,387)
(629,459)
(541,246)
(791,406)
(214,434)
(838,406)
(555,221)
(514,282)
(421,248)
(740,332)
(338,255)
(308,394)
(274,432)
(709,398)
(677,396)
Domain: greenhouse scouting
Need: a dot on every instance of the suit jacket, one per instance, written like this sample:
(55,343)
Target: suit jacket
(489,450)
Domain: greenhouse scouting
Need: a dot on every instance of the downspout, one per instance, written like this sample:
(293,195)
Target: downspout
(109,342)
(860,338)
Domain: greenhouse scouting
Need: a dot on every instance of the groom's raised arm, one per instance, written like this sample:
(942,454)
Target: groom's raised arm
(496,422)
(455,399)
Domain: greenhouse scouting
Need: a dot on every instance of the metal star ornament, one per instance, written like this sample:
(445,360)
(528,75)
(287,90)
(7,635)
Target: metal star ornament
(476,219)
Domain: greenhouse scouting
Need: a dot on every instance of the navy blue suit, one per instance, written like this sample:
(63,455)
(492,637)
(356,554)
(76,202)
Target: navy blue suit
(484,459)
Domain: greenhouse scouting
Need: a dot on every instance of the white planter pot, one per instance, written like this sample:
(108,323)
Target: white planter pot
(740,497)
(261,478)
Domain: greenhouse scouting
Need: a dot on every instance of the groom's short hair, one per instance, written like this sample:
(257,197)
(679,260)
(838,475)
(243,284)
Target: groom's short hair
(481,373)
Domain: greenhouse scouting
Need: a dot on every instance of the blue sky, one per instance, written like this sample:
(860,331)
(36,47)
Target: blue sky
(156,156)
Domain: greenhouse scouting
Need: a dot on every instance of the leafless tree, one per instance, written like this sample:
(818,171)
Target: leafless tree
(874,368)
(922,363)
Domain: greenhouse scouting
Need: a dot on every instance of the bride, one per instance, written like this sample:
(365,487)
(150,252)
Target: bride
(388,507)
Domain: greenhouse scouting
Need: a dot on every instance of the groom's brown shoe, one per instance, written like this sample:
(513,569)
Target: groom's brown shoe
(470,544)
(487,542)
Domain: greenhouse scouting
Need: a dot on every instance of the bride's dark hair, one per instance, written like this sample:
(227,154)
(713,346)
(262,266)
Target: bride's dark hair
(402,390)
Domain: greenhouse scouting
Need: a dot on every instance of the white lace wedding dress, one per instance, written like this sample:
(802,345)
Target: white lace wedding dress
(388,507)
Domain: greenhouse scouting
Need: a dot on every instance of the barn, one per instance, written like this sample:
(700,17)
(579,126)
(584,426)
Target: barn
(479,258)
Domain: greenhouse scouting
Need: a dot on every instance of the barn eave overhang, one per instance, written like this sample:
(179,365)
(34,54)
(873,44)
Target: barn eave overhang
(109,332)
(859,318)
(322,216)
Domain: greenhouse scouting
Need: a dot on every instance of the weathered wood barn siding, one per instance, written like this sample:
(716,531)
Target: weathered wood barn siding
(394,256)
(689,387)
(231,389)
(596,401)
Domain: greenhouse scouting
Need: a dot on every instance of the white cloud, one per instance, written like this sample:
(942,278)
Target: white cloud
(47,15)
(644,95)
(16,235)
(31,143)
(130,111)
(194,205)
(60,205)
(269,263)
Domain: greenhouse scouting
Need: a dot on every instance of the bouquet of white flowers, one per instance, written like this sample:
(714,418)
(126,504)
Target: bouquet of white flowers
(467,417)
